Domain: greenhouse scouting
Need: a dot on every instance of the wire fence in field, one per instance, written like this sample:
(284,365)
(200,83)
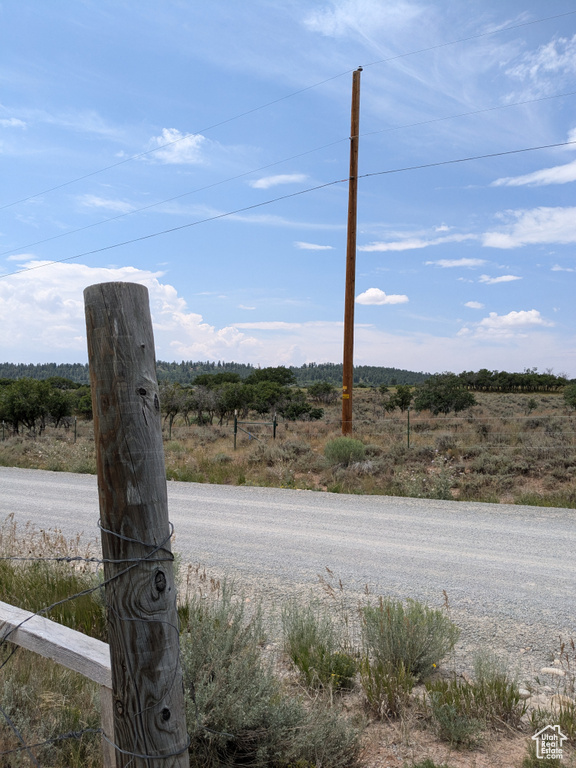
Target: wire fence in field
(10,644)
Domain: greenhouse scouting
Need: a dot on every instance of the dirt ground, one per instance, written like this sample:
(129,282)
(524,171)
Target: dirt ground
(400,745)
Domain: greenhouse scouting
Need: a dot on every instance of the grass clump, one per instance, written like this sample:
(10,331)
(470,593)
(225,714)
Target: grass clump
(387,686)
(408,633)
(38,583)
(531,760)
(44,701)
(461,709)
(238,712)
(343,451)
(311,641)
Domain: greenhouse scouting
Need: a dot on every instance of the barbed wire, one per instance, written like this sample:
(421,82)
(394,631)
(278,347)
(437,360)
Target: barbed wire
(134,562)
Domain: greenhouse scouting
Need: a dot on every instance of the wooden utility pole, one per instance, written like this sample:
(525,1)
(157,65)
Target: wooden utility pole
(149,716)
(348,361)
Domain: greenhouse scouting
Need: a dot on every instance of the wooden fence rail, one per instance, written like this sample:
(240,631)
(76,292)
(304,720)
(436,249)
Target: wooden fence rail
(71,649)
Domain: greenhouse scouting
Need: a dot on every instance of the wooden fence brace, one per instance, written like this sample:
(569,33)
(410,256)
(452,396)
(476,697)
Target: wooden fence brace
(71,649)
(149,715)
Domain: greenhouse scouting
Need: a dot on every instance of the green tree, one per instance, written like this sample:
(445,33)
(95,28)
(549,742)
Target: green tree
(267,395)
(233,396)
(171,402)
(569,395)
(294,406)
(216,380)
(279,375)
(59,405)
(443,393)
(322,392)
(25,402)
(403,396)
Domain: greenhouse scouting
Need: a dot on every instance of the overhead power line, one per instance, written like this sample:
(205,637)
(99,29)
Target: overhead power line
(466,159)
(287,197)
(276,101)
(278,162)
(171,199)
(469,114)
(467,39)
(171,143)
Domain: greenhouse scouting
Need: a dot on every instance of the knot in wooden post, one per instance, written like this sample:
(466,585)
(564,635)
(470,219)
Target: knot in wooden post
(142,621)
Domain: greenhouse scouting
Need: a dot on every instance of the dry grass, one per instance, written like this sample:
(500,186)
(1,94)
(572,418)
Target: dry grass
(499,451)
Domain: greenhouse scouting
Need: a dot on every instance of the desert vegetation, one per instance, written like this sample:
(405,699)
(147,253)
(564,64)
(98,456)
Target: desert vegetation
(449,437)
(331,682)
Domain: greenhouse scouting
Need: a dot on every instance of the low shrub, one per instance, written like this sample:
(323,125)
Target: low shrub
(428,764)
(312,643)
(461,709)
(237,711)
(409,633)
(344,451)
(452,726)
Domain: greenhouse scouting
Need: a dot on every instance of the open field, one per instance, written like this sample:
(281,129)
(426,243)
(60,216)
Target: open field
(512,448)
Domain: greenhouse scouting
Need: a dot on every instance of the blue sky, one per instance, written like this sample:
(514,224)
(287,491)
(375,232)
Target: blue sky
(123,119)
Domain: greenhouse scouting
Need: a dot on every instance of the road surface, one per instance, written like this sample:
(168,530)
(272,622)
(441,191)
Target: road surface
(509,571)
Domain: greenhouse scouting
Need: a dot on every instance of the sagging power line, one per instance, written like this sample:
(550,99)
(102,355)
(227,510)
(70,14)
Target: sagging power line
(389,129)
(278,100)
(263,203)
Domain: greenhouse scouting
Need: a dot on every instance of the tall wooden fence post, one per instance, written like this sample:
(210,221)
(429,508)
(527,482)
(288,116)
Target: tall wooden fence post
(149,716)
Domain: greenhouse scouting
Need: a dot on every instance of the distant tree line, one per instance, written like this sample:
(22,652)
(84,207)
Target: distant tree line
(501,381)
(186,372)
(364,375)
(33,403)
(76,372)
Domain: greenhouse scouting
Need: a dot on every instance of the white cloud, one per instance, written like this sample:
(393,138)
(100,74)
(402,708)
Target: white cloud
(12,122)
(474,305)
(510,325)
(313,246)
(340,18)
(20,257)
(548,66)
(559,174)
(42,316)
(558,268)
(374,296)
(42,319)
(267,325)
(243,306)
(536,226)
(414,243)
(180,149)
(494,280)
(283,178)
(93,201)
(448,263)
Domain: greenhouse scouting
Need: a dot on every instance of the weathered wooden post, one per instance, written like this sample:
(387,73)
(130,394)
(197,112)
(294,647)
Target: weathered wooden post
(149,718)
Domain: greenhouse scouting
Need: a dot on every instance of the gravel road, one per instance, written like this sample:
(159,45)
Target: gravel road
(509,571)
